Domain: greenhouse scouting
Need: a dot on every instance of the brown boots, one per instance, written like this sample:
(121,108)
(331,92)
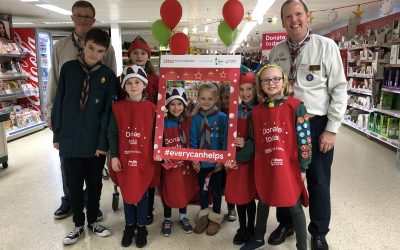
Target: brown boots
(207,219)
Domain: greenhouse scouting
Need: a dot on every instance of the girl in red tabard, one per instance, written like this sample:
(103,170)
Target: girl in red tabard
(179,184)
(240,188)
(130,135)
(139,53)
(280,142)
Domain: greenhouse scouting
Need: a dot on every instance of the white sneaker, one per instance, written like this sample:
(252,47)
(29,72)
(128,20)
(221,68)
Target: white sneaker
(99,230)
(73,236)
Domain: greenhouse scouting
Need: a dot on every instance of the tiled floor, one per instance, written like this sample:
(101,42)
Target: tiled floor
(365,202)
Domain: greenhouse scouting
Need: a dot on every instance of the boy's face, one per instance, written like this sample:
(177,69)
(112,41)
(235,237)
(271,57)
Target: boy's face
(247,92)
(139,57)
(134,87)
(93,52)
(207,99)
(176,107)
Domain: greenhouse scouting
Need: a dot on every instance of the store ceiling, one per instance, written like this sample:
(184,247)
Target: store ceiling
(195,12)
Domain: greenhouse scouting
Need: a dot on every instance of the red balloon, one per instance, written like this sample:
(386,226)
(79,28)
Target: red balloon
(233,13)
(179,44)
(171,13)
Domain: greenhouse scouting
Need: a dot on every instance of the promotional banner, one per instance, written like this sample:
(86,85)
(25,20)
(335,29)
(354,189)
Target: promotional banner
(269,40)
(190,71)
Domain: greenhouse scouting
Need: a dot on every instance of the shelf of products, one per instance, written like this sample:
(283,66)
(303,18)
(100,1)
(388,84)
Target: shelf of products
(16,133)
(357,106)
(392,142)
(360,91)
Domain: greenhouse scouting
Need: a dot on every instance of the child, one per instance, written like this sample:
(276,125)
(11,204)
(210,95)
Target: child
(280,142)
(130,134)
(139,53)
(209,131)
(240,187)
(80,117)
(179,184)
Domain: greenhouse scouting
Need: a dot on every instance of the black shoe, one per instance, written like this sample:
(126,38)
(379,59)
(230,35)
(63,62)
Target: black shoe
(278,236)
(62,212)
(150,219)
(319,243)
(129,233)
(99,215)
(141,237)
(239,238)
(253,244)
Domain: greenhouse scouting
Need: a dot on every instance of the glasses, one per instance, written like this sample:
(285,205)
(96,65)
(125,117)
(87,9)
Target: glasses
(273,80)
(82,18)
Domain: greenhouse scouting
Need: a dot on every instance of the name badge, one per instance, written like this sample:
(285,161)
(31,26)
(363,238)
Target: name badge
(313,68)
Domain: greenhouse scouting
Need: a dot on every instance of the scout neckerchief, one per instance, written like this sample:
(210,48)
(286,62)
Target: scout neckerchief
(205,128)
(275,102)
(247,108)
(86,81)
(295,50)
(182,135)
(77,44)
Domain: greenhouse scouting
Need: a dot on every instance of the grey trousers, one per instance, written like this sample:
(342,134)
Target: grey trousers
(299,223)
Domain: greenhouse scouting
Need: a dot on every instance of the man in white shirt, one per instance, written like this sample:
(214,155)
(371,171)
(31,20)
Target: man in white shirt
(315,69)
(67,49)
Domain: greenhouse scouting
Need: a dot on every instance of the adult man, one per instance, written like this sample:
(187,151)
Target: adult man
(67,49)
(316,71)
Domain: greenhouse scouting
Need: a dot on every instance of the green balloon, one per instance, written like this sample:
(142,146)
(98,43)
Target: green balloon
(226,34)
(161,32)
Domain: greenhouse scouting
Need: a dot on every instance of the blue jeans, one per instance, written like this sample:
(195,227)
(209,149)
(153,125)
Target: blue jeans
(136,213)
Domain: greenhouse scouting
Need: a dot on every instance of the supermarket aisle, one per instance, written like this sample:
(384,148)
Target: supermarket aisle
(365,202)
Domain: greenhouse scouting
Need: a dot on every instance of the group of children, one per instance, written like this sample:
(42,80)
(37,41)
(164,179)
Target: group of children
(273,147)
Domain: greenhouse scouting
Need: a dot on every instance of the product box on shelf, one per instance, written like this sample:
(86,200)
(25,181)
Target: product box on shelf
(394,52)
(377,121)
(371,122)
(386,100)
(393,127)
(384,126)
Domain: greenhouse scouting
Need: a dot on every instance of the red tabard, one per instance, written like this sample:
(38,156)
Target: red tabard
(277,170)
(179,185)
(240,187)
(152,88)
(135,124)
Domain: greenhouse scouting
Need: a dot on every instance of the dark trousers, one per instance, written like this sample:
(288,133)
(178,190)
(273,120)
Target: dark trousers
(248,209)
(214,186)
(168,211)
(137,213)
(150,193)
(297,216)
(89,171)
(65,199)
(318,183)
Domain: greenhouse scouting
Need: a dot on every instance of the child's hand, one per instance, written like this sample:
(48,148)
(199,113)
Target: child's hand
(196,166)
(116,164)
(231,164)
(303,176)
(56,145)
(239,142)
(157,158)
(218,167)
(99,152)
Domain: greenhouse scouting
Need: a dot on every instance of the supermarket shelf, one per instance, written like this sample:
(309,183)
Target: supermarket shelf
(23,55)
(360,76)
(11,96)
(394,113)
(360,91)
(392,142)
(13,77)
(14,134)
(393,90)
(357,106)
(393,65)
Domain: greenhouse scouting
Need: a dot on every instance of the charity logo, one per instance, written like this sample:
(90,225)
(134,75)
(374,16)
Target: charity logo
(276,162)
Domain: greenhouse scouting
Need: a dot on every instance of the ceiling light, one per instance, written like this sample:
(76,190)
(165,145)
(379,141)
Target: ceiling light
(185,30)
(22,23)
(260,20)
(29,0)
(206,28)
(127,21)
(58,22)
(54,8)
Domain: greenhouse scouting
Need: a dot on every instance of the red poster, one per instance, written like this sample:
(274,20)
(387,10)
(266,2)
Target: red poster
(269,40)
(26,37)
